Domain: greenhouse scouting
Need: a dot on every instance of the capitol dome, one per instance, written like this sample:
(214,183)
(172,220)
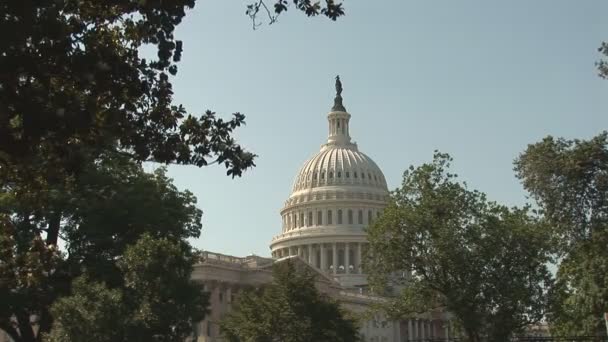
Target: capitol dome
(336,194)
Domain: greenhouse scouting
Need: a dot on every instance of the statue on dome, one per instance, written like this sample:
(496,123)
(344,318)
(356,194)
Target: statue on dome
(338,106)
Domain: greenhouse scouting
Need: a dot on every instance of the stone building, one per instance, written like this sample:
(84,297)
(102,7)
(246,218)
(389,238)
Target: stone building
(336,194)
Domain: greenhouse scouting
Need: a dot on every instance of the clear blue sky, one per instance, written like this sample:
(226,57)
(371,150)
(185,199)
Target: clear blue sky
(477,79)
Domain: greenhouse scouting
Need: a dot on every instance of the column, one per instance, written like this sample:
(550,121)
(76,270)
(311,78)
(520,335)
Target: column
(300,251)
(334,261)
(346,258)
(323,257)
(310,261)
(447,329)
(423,328)
(359,259)
(410,332)
(416,329)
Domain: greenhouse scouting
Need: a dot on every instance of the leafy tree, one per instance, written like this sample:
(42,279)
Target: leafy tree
(602,65)
(157,301)
(109,208)
(439,245)
(290,309)
(80,109)
(569,181)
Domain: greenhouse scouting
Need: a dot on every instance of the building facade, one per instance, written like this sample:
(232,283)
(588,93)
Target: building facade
(336,195)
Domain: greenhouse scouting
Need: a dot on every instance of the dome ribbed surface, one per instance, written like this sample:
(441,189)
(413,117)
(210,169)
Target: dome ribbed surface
(339,165)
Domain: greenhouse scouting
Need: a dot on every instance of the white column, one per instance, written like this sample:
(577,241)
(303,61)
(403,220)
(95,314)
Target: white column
(359,259)
(346,257)
(410,331)
(323,257)
(300,251)
(310,254)
(423,326)
(334,260)
(447,329)
(416,336)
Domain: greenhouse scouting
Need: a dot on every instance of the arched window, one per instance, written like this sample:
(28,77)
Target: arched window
(350,216)
(339,216)
(309,223)
(360,218)
(369,217)
(319,218)
(329,217)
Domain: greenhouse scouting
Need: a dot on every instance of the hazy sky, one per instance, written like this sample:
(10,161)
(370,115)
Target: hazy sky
(477,79)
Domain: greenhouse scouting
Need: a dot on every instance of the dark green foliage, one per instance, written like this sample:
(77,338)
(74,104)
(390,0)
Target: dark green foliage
(449,248)
(602,65)
(330,9)
(80,110)
(111,206)
(290,309)
(157,301)
(569,181)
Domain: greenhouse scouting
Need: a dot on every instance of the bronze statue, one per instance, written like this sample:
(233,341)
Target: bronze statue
(338,86)
(338,106)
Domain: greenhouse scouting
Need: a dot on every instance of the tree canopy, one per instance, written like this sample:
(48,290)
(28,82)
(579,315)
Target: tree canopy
(290,309)
(439,245)
(569,181)
(80,110)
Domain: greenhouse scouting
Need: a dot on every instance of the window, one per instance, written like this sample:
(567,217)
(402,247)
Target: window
(347,174)
(331,175)
(319,218)
(323,175)
(309,223)
(338,123)
(329,217)
(369,175)
(360,218)
(339,174)
(362,175)
(350,216)
(301,219)
(369,217)
(339,216)
(221,295)
(314,176)
(355,174)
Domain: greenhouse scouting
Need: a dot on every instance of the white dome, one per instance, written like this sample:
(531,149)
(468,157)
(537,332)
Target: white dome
(336,195)
(340,166)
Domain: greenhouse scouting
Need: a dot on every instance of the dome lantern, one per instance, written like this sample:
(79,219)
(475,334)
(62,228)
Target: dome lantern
(339,118)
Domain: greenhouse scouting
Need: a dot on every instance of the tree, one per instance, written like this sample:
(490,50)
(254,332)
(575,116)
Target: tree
(602,65)
(290,309)
(568,179)
(80,110)
(156,302)
(112,206)
(439,245)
